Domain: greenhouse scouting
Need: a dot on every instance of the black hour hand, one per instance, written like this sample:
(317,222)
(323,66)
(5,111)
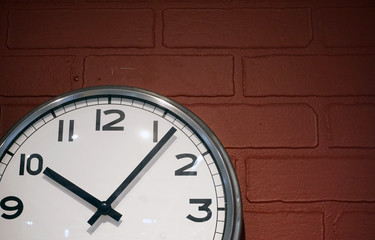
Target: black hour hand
(101,206)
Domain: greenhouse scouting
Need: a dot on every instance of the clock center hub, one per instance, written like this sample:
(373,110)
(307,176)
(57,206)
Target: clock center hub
(104,208)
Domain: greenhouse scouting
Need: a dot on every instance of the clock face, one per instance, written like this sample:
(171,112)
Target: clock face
(116,163)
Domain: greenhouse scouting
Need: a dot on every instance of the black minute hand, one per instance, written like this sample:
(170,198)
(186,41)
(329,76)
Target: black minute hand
(133,174)
(80,192)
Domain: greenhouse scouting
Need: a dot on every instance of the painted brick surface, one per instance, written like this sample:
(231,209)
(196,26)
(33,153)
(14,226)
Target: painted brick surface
(242,28)
(170,75)
(96,28)
(126,1)
(35,75)
(11,114)
(40,1)
(193,1)
(351,125)
(304,180)
(348,27)
(255,126)
(309,75)
(284,225)
(287,86)
(355,225)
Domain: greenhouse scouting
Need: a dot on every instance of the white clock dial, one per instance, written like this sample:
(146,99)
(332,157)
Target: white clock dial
(115,163)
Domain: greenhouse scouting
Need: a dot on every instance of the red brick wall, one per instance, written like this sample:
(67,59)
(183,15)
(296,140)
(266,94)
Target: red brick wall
(287,85)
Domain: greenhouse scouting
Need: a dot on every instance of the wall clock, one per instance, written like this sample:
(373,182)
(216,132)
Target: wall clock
(116,163)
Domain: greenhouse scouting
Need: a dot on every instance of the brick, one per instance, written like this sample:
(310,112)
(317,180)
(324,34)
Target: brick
(355,225)
(310,180)
(237,28)
(309,75)
(348,27)
(11,114)
(351,125)
(131,1)
(40,1)
(194,1)
(284,225)
(35,75)
(261,126)
(168,75)
(95,28)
